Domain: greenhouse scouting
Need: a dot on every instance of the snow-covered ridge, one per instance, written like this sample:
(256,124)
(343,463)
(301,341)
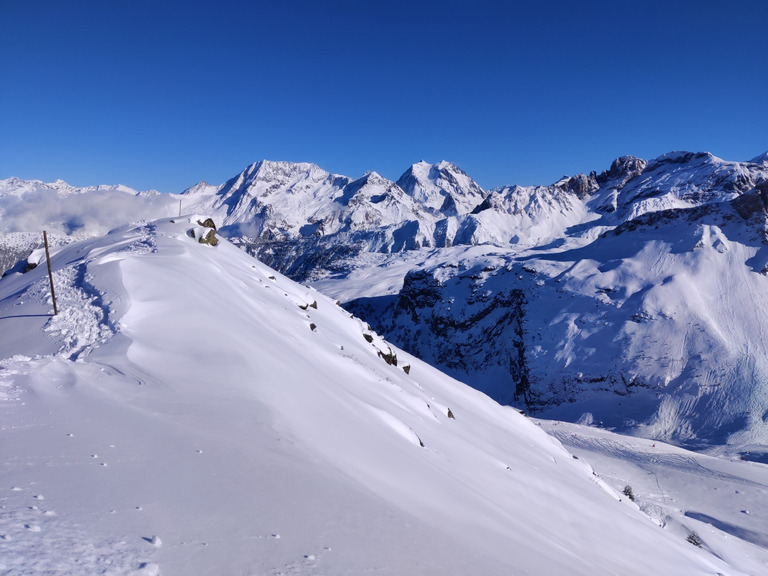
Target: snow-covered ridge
(191,411)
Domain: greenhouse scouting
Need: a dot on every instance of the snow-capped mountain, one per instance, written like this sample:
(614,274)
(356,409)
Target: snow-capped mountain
(640,286)
(191,411)
(442,188)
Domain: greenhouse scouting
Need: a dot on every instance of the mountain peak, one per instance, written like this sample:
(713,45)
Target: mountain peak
(441,188)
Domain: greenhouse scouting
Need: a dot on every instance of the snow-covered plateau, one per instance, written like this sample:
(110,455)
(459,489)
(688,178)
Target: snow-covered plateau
(190,411)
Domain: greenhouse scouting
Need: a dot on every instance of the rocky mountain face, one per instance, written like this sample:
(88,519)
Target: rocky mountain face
(633,297)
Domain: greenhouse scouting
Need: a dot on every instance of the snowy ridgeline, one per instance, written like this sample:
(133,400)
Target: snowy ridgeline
(191,412)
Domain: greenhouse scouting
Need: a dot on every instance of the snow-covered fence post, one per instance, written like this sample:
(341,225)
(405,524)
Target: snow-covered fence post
(50,274)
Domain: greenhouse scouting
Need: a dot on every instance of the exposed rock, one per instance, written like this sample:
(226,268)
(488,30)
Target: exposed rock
(580,185)
(210,238)
(753,203)
(623,169)
(204,235)
(207,223)
(390,357)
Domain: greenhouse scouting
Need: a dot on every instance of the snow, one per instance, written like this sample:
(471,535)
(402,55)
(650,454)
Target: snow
(721,499)
(180,417)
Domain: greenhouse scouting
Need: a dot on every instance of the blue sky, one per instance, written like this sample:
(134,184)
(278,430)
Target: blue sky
(163,94)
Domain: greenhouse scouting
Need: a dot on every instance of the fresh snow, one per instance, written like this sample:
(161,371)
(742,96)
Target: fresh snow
(191,411)
(721,500)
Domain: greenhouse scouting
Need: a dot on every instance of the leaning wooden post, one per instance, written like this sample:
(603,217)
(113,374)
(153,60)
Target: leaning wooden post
(50,274)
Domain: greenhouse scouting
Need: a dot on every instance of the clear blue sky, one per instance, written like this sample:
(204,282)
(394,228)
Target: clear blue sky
(162,94)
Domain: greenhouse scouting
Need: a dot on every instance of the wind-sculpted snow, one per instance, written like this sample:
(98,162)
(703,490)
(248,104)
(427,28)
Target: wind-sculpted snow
(193,412)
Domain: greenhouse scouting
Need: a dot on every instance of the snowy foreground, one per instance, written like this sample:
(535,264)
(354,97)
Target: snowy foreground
(192,412)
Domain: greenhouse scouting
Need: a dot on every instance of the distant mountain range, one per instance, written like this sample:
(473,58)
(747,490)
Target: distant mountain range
(634,298)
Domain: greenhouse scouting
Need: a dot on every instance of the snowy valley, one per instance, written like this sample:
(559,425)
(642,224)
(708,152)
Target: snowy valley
(193,410)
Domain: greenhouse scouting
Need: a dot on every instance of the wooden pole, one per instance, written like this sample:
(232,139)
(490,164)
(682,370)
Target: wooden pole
(50,274)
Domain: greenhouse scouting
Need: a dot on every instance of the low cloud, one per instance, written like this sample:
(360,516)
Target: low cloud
(93,212)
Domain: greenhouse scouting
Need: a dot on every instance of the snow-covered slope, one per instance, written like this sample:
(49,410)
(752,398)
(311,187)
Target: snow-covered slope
(192,412)
(714,501)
